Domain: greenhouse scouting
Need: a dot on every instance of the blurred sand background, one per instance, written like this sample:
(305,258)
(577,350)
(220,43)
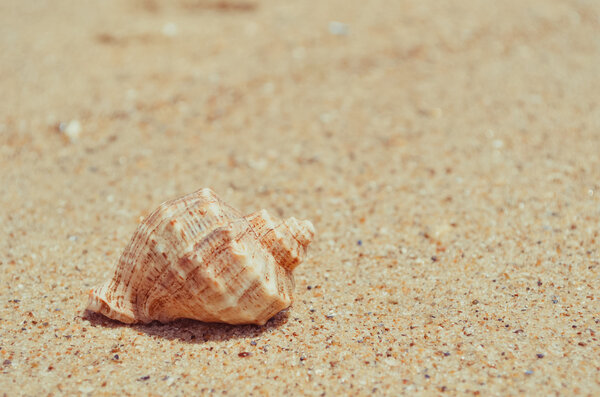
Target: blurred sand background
(448,154)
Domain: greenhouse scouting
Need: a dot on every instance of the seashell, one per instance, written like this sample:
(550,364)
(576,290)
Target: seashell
(196,257)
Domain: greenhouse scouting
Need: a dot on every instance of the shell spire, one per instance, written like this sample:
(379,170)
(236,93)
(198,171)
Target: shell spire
(196,257)
(287,241)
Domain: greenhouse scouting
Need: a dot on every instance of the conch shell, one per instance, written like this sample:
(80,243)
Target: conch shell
(196,257)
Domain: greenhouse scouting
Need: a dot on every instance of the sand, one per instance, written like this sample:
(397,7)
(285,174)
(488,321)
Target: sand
(447,153)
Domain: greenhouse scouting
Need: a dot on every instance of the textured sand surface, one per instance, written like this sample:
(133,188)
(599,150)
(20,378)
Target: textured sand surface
(448,154)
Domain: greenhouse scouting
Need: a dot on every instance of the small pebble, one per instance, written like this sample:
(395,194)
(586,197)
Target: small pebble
(338,28)
(391,362)
(72,130)
(244,354)
(170,29)
(540,355)
(170,380)
(144,378)
(390,249)
(529,372)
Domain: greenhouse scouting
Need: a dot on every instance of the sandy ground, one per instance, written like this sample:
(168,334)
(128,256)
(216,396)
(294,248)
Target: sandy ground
(448,154)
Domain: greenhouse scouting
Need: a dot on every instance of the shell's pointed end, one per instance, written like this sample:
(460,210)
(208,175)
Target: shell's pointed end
(303,231)
(287,241)
(294,236)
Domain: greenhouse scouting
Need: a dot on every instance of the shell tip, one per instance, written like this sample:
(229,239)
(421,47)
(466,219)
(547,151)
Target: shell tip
(303,231)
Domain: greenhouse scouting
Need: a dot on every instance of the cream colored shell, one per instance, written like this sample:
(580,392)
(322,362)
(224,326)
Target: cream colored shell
(196,257)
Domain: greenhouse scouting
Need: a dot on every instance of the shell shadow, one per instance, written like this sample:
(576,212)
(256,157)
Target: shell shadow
(193,331)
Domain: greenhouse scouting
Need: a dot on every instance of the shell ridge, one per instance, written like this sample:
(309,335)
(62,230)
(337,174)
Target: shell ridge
(154,258)
(215,236)
(208,240)
(143,235)
(128,267)
(204,231)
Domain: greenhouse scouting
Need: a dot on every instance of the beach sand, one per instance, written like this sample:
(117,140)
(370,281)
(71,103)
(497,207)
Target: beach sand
(448,154)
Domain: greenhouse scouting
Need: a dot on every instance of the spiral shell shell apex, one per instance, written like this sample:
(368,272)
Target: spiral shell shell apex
(196,257)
